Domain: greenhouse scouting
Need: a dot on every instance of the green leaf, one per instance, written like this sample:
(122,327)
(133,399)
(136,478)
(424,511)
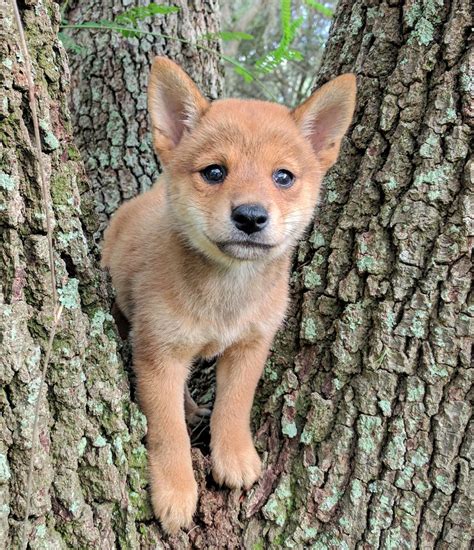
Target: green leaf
(133,15)
(283,52)
(228,36)
(69,44)
(243,72)
(321,8)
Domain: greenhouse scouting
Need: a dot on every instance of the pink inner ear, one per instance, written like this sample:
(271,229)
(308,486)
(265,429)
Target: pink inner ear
(172,114)
(324,128)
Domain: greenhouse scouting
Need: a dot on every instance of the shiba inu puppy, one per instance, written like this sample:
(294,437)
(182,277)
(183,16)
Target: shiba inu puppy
(201,262)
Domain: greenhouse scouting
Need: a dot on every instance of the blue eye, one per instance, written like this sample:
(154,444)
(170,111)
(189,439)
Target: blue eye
(214,174)
(283,178)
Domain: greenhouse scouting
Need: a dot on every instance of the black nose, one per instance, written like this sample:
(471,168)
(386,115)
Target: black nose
(250,218)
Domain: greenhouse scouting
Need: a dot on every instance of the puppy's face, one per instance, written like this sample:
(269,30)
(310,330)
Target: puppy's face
(244,181)
(243,176)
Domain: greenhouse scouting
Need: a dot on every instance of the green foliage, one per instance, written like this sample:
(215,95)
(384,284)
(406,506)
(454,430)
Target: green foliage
(287,48)
(132,16)
(283,52)
(229,36)
(69,43)
(321,8)
(240,69)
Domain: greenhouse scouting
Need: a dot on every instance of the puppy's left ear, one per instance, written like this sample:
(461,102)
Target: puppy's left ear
(325,117)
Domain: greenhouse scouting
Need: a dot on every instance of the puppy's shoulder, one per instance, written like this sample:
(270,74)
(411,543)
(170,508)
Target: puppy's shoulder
(131,218)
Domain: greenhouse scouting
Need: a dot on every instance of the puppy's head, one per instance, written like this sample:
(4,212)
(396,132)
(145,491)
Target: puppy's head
(243,176)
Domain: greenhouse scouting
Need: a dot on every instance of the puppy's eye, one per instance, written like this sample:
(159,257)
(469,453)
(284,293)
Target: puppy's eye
(283,178)
(214,174)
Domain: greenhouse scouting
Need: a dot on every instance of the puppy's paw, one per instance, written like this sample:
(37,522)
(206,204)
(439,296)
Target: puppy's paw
(174,495)
(235,465)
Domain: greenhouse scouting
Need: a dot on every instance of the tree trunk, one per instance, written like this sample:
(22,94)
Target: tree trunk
(109,82)
(362,416)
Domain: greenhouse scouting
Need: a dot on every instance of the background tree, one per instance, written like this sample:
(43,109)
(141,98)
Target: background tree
(363,414)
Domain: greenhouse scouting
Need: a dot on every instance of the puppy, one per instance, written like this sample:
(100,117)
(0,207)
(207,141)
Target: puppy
(201,262)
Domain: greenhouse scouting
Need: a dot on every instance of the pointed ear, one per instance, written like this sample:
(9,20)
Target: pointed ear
(326,115)
(175,105)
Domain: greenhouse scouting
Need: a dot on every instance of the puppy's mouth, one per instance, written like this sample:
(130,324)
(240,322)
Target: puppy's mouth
(244,250)
(222,245)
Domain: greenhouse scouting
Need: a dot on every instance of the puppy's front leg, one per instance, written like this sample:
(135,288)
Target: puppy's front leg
(234,458)
(160,385)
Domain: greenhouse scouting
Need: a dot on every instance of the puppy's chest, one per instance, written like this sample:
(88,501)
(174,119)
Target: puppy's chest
(225,316)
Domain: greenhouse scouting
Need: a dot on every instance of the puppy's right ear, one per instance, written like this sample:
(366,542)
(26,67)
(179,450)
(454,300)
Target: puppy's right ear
(175,105)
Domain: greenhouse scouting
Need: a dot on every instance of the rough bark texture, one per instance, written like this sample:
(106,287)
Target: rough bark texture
(89,466)
(109,81)
(363,414)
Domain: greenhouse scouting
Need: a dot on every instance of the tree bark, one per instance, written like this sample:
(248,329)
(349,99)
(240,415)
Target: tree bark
(363,414)
(109,82)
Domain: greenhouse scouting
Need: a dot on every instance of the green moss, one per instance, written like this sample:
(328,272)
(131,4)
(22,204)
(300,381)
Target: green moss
(61,189)
(356,492)
(317,239)
(99,441)
(419,458)
(392,183)
(366,263)
(141,504)
(368,428)
(428,148)
(331,500)
(315,475)
(424,32)
(385,406)
(49,138)
(415,391)
(310,278)
(73,153)
(280,502)
(328,541)
(288,427)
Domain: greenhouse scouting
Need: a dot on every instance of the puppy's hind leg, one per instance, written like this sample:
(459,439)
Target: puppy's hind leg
(194,413)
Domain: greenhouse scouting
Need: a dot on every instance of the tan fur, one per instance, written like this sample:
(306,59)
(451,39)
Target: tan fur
(186,297)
